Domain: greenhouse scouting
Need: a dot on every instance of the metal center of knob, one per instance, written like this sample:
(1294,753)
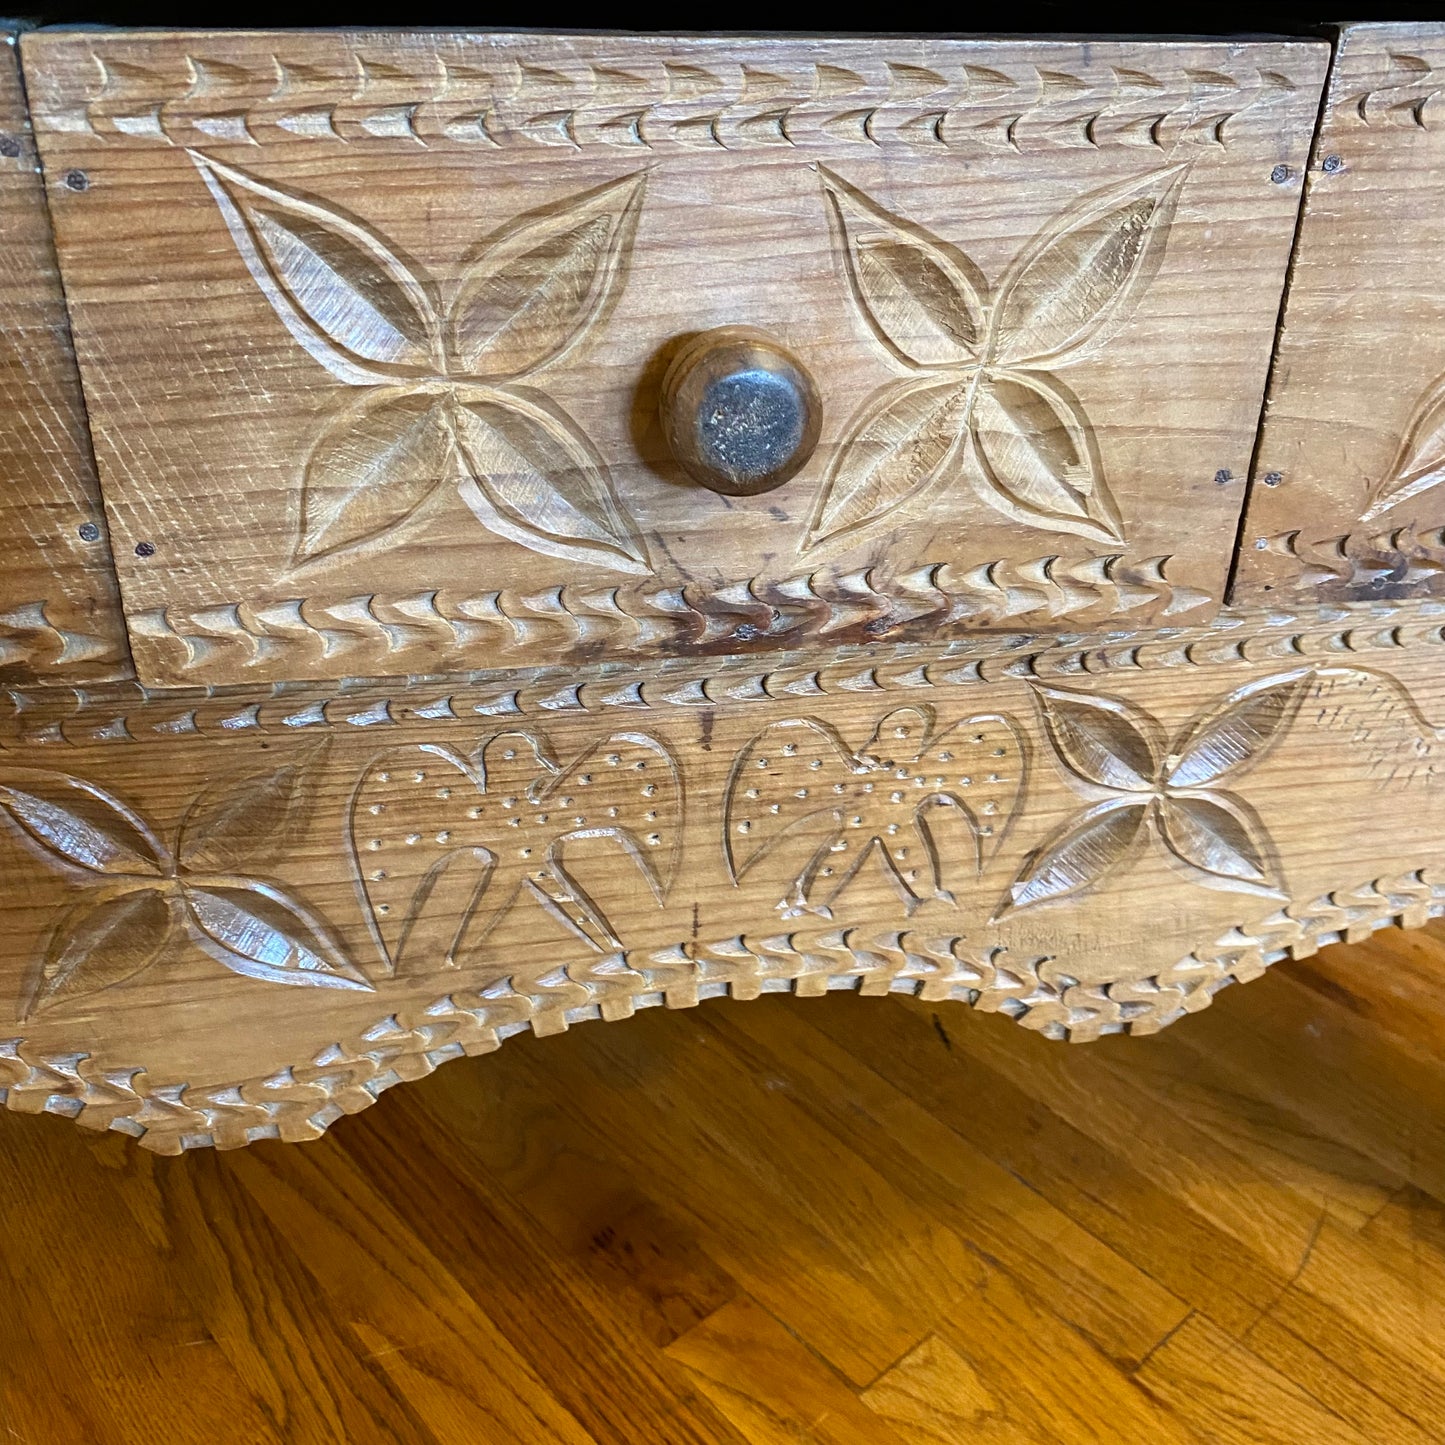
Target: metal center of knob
(740,411)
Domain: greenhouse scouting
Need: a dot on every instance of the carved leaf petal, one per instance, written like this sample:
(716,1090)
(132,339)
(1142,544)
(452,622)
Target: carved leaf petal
(1033,457)
(232,820)
(795,765)
(1103,740)
(923,300)
(1220,835)
(1420,463)
(628,787)
(423,842)
(82,825)
(1238,733)
(983,762)
(536,287)
(353,304)
(535,479)
(1085,850)
(372,469)
(100,942)
(900,443)
(1078,278)
(256,930)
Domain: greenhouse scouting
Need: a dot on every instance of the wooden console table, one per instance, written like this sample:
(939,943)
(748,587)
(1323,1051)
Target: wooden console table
(507,530)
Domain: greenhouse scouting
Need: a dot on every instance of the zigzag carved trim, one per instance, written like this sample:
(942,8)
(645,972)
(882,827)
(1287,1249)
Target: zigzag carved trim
(374,634)
(1385,564)
(301,1102)
(30,638)
(691,96)
(130,712)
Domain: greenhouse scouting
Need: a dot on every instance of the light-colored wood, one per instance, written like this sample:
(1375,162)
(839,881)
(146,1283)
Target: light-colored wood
(671,1231)
(372,328)
(238,916)
(60,611)
(1345,501)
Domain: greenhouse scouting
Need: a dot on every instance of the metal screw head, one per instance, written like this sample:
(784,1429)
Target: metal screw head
(1279,175)
(1224,476)
(1272,479)
(77,181)
(145,549)
(1333,164)
(89,532)
(9,147)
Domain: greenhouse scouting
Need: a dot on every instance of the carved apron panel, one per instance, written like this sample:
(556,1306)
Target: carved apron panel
(373,330)
(235,916)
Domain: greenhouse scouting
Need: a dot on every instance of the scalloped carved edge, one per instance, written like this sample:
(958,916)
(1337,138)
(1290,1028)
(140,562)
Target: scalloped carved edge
(436,627)
(300,1102)
(696,98)
(131,712)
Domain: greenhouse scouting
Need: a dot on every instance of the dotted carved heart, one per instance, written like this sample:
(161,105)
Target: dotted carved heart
(445,845)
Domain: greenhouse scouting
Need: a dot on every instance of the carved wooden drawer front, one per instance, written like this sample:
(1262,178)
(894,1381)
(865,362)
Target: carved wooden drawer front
(1346,501)
(373,331)
(60,614)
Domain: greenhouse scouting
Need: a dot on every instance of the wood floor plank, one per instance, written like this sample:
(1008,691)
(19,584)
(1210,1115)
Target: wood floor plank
(603,1372)
(862,1299)
(933,1396)
(1112,1301)
(1050,1383)
(1097,1093)
(1330,1066)
(1257,1129)
(1390,979)
(770,1385)
(91,1296)
(597,1217)
(407,1313)
(1374,1303)
(1232,1397)
(1359,1398)
(243,1277)
(996,1108)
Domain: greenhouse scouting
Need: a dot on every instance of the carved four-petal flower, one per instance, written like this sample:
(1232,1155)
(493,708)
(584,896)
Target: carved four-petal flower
(1118,752)
(981,403)
(142,892)
(443,399)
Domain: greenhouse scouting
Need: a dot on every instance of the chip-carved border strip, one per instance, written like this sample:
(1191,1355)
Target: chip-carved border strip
(696,97)
(299,1103)
(1380,564)
(567,623)
(30,638)
(130,712)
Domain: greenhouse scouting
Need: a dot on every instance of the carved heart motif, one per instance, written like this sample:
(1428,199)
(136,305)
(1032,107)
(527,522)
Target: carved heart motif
(445,844)
(895,797)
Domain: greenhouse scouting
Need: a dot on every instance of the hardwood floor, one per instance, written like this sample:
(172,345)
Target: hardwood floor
(834,1221)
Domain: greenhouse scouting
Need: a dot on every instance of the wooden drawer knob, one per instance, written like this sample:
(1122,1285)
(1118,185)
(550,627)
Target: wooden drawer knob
(740,411)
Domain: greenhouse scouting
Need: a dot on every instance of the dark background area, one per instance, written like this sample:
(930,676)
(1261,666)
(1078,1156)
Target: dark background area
(1028,17)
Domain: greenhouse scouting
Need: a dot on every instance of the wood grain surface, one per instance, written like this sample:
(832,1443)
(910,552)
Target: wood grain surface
(60,614)
(829,1222)
(373,326)
(1345,500)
